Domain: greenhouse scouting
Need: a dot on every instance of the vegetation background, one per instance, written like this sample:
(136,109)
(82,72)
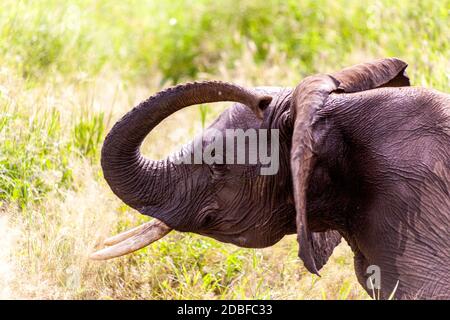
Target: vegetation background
(70,69)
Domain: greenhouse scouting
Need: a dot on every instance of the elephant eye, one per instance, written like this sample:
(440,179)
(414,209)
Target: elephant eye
(208,219)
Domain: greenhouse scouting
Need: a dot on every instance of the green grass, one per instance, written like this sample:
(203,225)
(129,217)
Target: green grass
(88,134)
(34,155)
(69,70)
(180,39)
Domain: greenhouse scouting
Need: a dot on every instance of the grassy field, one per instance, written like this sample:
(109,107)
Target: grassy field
(70,69)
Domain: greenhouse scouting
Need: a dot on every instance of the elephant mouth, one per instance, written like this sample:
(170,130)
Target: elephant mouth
(132,240)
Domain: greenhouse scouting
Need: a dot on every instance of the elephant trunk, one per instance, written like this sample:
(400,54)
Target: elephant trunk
(141,182)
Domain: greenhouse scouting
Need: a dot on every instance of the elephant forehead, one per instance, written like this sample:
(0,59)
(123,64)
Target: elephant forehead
(239,116)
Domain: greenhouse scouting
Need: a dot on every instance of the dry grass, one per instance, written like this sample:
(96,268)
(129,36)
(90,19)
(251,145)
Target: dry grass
(68,71)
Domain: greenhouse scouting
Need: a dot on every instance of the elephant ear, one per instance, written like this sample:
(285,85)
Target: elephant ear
(388,72)
(308,98)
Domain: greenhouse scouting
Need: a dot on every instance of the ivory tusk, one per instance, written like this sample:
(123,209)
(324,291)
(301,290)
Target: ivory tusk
(132,240)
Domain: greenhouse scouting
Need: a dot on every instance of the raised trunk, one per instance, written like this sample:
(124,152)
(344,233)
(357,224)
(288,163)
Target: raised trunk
(141,182)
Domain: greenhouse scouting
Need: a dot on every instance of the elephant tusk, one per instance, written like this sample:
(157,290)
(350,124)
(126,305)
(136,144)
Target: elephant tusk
(132,240)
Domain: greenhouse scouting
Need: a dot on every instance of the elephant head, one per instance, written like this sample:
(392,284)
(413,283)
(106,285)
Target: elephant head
(326,183)
(232,203)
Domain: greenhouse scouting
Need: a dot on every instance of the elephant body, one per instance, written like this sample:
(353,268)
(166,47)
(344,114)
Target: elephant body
(382,180)
(361,155)
(388,197)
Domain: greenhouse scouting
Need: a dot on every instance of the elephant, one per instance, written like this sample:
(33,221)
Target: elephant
(363,156)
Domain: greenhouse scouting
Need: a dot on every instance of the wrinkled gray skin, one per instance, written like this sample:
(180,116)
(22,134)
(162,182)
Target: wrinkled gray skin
(380,178)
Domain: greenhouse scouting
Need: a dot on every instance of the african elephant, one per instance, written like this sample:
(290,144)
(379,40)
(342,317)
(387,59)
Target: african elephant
(362,155)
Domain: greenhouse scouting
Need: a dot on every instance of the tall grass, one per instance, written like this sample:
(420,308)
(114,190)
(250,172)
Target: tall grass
(181,39)
(68,70)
